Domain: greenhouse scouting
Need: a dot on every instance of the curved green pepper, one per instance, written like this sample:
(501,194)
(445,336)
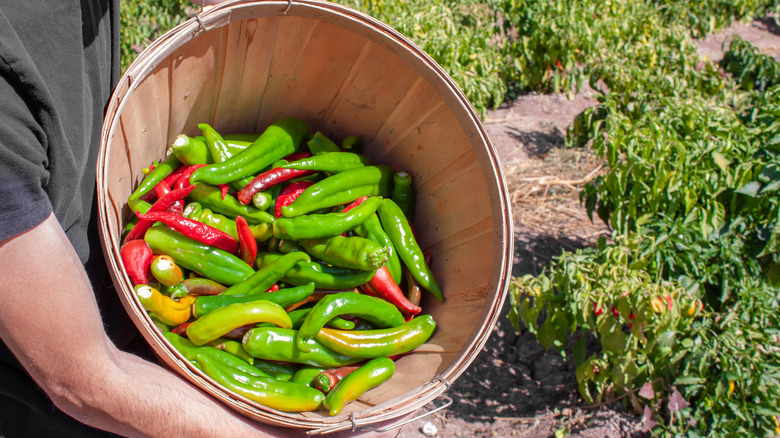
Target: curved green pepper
(380,342)
(219,322)
(277,344)
(209,262)
(279,371)
(159,173)
(275,394)
(283,297)
(397,227)
(370,375)
(342,188)
(297,317)
(378,311)
(353,252)
(210,197)
(262,231)
(190,151)
(320,144)
(277,141)
(190,350)
(403,193)
(315,226)
(372,229)
(323,276)
(306,375)
(330,162)
(265,277)
(233,347)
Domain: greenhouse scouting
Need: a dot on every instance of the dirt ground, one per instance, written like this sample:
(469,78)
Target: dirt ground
(515,388)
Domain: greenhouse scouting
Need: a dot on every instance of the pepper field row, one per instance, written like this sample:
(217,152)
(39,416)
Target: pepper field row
(282,265)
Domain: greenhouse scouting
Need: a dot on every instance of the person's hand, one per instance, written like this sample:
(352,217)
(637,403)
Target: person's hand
(50,320)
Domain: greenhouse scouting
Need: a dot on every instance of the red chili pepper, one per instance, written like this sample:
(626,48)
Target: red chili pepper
(247,245)
(295,156)
(137,257)
(354,204)
(184,176)
(268,179)
(193,229)
(326,380)
(382,286)
(161,204)
(223,189)
(288,195)
(273,288)
(181,329)
(161,189)
(182,181)
(174,176)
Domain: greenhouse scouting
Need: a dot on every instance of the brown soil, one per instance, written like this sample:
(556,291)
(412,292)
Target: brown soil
(515,388)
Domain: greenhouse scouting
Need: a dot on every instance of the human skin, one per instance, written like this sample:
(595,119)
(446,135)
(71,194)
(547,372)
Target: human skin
(48,310)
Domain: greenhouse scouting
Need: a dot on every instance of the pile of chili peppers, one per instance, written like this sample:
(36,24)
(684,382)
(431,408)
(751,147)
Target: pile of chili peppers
(282,265)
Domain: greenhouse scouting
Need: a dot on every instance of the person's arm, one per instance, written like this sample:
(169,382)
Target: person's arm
(50,320)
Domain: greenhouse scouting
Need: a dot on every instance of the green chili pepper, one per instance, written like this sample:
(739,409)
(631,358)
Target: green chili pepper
(322,275)
(277,344)
(372,229)
(220,321)
(190,350)
(320,144)
(245,138)
(215,144)
(279,371)
(370,375)
(275,394)
(233,347)
(209,262)
(265,277)
(379,342)
(262,231)
(314,226)
(378,311)
(352,252)
(262,200)
(277,141)
(353,144)
(306,375)
(159,173)
(211,197)
(330,162)
(342,188)
(297,317)
(284,297)
(190,151)
(202,286)
(403,193)
(397,227)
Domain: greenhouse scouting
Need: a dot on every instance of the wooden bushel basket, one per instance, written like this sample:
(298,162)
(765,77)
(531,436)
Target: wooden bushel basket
(243,65)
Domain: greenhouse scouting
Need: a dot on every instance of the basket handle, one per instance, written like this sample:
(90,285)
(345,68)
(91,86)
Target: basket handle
(356,428)
(202,9)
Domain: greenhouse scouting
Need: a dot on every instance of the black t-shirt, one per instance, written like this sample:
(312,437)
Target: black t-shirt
(59,61)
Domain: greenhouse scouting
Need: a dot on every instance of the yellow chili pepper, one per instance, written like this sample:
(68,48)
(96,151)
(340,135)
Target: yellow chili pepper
(165,270)
(166,309)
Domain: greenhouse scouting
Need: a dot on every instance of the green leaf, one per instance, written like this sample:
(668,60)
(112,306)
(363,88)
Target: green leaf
(721,161)
(750,189)
(689,380)
(546,334)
